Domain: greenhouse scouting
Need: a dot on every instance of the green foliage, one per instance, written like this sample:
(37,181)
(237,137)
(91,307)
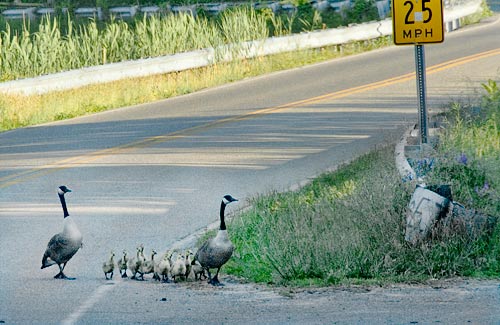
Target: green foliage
(24,53)
(62,42)
(491,100)
(334,229)
(348,226)
(468,151)
(362,11)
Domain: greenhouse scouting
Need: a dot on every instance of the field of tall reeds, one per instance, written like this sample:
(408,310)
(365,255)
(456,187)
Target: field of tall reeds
(60,43)
(348,226)
(50,48)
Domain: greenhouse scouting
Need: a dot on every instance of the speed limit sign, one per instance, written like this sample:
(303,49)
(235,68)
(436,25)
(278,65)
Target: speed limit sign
(417,21)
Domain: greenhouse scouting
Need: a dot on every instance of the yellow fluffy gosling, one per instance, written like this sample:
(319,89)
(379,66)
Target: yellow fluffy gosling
(162,268)
(134,264)
(149,265)
(197,270)
(189,260)
(122,264)
(178,267)
(108,267)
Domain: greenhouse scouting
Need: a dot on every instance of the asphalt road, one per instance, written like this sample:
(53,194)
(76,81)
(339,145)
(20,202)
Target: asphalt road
(155,173)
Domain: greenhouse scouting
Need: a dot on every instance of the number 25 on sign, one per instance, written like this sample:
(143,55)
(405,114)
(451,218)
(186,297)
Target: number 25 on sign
(417,21)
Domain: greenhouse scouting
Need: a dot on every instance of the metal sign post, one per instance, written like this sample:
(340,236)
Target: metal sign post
(416,22)
(421,91)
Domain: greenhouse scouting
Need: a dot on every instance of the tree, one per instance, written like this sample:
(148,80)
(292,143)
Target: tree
(362,11)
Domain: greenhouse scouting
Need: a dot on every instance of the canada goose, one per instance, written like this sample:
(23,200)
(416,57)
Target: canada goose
(215,252)
(122,264)
(65,244)
(178,267)
(134,264)
(148,266)
(109,266)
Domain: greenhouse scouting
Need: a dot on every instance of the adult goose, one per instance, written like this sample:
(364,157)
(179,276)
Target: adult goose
(65,244)
(215,252)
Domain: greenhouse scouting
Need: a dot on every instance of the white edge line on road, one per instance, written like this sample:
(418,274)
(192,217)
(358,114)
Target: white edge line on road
(89,303)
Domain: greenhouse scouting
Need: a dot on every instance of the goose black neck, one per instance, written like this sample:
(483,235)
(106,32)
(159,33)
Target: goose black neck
(63,203)
(222,209)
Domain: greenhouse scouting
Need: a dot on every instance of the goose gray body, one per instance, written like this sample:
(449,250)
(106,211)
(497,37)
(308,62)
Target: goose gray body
(64,245)
(215,252)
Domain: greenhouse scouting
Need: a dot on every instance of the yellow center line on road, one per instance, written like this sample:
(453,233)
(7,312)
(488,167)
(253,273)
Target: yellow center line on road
(90,157)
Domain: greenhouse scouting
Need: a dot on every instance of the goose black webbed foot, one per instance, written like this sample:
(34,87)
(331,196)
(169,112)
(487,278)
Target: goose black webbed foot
(215,282)
(63,276)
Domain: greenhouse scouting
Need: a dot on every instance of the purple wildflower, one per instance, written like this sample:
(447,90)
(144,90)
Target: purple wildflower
(484,190)
(462,159)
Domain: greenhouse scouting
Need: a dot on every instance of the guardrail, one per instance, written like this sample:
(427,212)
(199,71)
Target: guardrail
(190,60)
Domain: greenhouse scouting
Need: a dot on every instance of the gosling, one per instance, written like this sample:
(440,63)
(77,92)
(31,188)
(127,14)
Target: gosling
(188,261)
(147,267)
(134,264)
(122,264)
(179,267)
(108,266)
(162,268)
(197,270)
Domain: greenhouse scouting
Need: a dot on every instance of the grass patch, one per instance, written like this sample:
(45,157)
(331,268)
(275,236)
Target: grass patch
(341,227)
(347,227)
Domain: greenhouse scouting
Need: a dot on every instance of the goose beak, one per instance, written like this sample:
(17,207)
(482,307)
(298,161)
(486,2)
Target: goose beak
(63,190)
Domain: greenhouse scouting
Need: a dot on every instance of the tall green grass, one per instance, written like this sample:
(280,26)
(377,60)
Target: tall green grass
(27,53)
(60,43)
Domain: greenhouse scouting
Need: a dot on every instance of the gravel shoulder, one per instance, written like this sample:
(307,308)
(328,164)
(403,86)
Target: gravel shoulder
(455,301)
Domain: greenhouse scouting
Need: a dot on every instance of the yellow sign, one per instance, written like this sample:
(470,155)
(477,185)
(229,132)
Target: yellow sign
(417,21)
